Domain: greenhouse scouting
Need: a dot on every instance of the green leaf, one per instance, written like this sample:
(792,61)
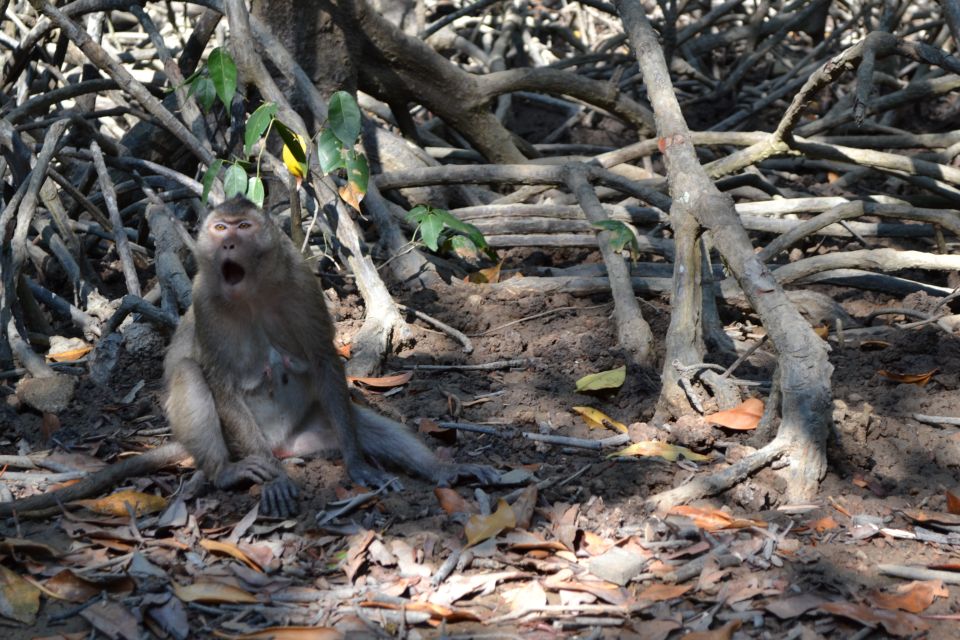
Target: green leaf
(208,177)
(223,72)
(290,140)
(257,123)
(621,236)
(330,152)
(205,92)
(344,117)
(612,379)
(235,181)
(358,173)
(429,224)
(465,228)
(255,191)
(464,247)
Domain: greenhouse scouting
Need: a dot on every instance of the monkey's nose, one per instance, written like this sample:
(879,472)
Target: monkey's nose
(229,246)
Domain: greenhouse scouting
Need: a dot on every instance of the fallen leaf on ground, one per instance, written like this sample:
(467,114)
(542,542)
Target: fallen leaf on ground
(285,633)
(19,600)
(70,355)
(953,503)
(795,606)
(113,620)
(489,275)
(213,593)
(436,611)
(612,379)
(596,419)
(30,548)
(715,519)
(232,550)
(67,585)
(913,597)
(661,592)
(452,502)
(384,382)
(908,378)
(897,623)
(480,528)
(723,633)
(524,597)
(826,523)
(655,448)
(744,417)
(116,503)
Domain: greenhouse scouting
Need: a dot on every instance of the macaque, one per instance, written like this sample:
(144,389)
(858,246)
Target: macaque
(252,373)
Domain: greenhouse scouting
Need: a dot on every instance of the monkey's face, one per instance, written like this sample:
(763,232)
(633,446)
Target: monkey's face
(233,247)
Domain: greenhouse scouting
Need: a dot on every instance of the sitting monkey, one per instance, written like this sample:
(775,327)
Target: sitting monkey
(252,373)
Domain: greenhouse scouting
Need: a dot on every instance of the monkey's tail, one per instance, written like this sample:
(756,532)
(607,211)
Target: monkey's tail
(97,482)
(393,444)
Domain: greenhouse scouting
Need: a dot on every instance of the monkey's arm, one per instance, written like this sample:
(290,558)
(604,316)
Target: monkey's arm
(100,481)
(203,424)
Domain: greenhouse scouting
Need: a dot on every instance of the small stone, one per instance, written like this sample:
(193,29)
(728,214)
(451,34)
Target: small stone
(51,394)
(617,565)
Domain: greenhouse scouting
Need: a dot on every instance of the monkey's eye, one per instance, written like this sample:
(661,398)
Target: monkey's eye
(245,225)
(220,227)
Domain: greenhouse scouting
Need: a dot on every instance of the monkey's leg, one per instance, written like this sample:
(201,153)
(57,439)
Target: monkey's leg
(391,442)
(105,478)
(258,464)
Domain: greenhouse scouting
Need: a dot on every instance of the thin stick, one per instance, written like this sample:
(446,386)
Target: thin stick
(488,366)
(119,233)
(445,328)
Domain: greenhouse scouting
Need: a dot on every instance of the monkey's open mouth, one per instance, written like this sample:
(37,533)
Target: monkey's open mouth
(233,273)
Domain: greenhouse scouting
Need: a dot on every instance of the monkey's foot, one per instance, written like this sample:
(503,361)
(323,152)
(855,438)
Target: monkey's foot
(250,470)
(368,476)
(279,498)
(450,473)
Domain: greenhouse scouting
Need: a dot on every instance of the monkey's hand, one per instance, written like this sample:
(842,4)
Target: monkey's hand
(364,474)
(250,470)
(449,473)
(279,498)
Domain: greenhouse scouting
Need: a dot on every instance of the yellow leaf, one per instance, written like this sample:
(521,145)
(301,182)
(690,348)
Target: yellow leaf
(285,633)
(908,378)
(654,448)
(212,593)
(612,379)
(351,195)
(489,275)
(70,355)
(232,550)
(294,166)
(116,503)
(480,528)
(715,519)
(742,418)
(597,419)
(19,600)
(384,382)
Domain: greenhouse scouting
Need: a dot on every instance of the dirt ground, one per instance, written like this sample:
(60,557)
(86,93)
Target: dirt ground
(884,465)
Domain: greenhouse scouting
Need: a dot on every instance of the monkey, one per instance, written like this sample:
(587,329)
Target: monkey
(252,375)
